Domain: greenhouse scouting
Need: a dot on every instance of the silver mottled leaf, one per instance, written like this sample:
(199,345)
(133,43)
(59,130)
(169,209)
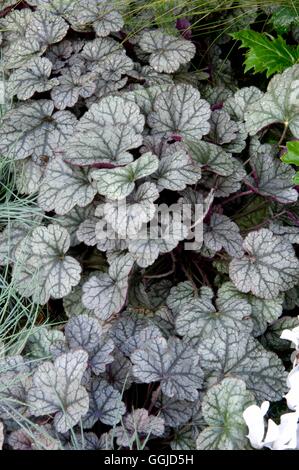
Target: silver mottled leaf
(222,408)
(105,293)
(33,129)
(72,220)
(180,296)
(236,353)
(106,132)
(32,78)
(211,157)
(42,269)
(28,175)
(236,105)
(64,187)
(268,267)
(126,217)
(176,171)
(223,129)
(199,318)
(167,53)
(264,311)
(118,183)
(173,363)
(180,111)
(71,85)
(174,412)
(278,105)
(105,404)
(220,233)
(141,423)
(273,178)
(114,66)
(56,389)
(46,28)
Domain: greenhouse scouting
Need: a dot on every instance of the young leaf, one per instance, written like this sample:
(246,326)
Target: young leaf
(176,170)
(128,216)
(268,267)
(269,54)
(106,293)
(236,353)
(284,18)
(180,111)
(71,85)
(167,53)
(222,408)
(141,423)
(40,341)
(118,183)
(292,155)
(211,157)
(56,389)
(173,364)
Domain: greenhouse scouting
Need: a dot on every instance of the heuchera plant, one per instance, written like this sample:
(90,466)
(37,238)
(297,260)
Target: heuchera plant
(158,343)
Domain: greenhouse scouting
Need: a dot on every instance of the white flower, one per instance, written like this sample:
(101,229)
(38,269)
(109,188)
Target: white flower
(292,396)
(284,435)
(291,335)
(278,437)
(254,418)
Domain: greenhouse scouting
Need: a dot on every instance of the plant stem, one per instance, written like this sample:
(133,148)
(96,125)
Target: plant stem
(286,126)
(154,399)
(236,196)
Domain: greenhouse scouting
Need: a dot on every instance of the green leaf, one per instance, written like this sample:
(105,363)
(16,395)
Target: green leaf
(265,53)
(284,18)
(292,155)
(222,410)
